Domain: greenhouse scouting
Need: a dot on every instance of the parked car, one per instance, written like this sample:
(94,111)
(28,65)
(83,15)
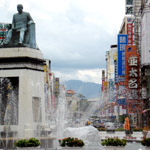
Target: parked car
(110,126)
(115,125)
(96,123)
(121,125)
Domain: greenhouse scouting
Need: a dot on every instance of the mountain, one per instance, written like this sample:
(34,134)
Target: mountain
(87,89)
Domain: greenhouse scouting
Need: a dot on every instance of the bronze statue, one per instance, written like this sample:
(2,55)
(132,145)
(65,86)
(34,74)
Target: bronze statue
(20,22)
(22,32)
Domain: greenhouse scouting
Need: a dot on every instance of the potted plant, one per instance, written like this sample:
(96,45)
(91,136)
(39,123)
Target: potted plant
(146,143)
(71,143)
(31,143)
(114,143)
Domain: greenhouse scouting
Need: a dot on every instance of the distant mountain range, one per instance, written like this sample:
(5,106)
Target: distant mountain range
(87,89)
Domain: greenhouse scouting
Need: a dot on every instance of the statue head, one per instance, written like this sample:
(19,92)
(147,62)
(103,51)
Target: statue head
(20,8)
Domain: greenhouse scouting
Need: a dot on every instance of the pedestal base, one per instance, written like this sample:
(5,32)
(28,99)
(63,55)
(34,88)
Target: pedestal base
(22,97)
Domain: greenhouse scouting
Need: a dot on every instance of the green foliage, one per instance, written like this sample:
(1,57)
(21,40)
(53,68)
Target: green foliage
(71,142)
(101,129)
(146,142)
(121,119)
(114,142)
(32,142)
(119,129)
(137,129)
(21,143)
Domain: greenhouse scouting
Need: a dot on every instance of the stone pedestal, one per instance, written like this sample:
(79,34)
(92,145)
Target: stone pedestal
(25,66)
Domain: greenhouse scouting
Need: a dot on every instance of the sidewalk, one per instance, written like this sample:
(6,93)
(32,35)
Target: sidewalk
(136,136)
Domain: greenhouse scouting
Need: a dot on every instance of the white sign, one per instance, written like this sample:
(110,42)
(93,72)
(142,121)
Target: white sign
(145,38)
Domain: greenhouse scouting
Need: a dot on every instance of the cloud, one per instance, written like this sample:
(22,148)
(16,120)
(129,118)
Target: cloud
(73,34)
(92,75)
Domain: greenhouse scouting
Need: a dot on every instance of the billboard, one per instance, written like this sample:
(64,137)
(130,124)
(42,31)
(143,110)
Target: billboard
(132,79)
(122,42)
(145,37)
(4,27)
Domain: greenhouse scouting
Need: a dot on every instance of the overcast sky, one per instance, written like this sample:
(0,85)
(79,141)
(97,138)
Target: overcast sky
(73,34)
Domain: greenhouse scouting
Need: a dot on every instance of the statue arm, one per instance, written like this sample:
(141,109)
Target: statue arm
(30,19)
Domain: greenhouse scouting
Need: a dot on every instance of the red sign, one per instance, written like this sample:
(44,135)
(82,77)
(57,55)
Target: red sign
(132,79)
(130,33)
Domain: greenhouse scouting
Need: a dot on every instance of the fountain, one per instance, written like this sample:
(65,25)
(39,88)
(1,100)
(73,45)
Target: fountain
(88,134)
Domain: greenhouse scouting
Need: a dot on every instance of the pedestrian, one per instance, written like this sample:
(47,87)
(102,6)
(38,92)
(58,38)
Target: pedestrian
(127,127)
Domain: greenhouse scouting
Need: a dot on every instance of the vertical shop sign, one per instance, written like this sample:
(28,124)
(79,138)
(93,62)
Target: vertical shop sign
(130,33)
(132,79)
(116,71)
(122,42)
(111,90)
(129,7)
(103,79)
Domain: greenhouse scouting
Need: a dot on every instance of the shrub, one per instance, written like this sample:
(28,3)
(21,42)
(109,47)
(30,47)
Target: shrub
(137,129)
(21,143)
(119,129)
(71,142)
(114,142)
(101,129)
(146,142)
(32,142)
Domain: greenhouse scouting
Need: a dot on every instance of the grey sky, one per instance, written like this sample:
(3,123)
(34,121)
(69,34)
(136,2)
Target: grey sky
(73,34)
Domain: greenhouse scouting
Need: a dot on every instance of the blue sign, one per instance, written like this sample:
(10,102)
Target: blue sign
(116,71)
(121,101)
(121,78)
(122,42)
